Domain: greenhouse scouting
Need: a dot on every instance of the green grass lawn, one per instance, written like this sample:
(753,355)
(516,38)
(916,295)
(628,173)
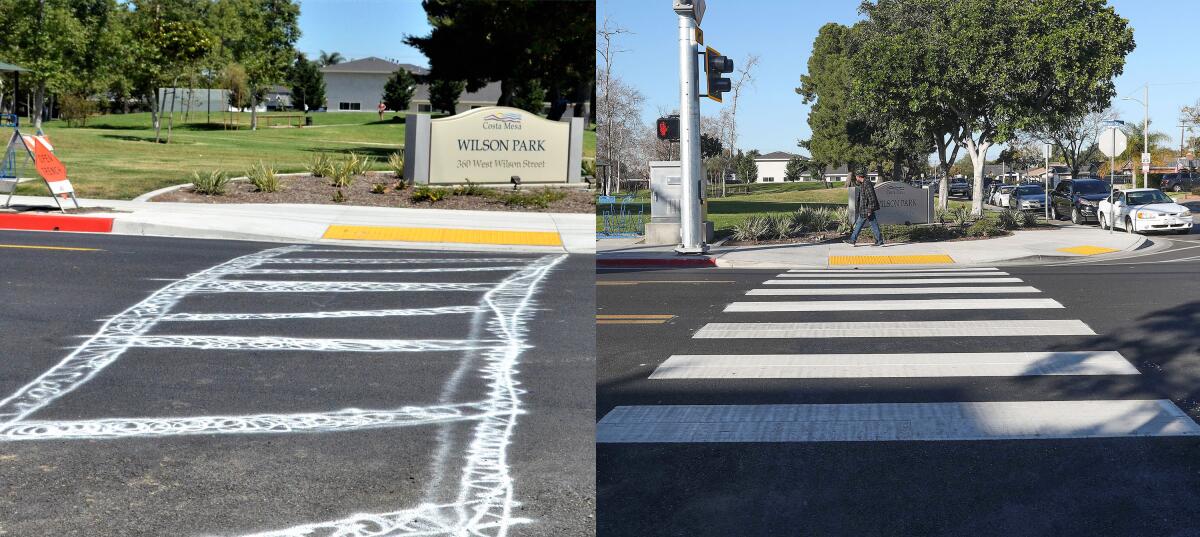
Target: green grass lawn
(115,157)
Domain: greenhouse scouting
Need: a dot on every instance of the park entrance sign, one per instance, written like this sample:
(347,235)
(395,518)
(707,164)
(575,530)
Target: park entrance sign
(900,203)
(492,145)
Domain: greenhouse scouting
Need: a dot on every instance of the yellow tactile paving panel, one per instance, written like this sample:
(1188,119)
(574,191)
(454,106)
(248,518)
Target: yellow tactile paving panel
(432,234)
(633,319)
(931,259)
(1087,250)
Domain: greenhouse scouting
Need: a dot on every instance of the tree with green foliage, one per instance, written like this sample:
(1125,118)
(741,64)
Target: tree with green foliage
(795,169)
(710,146)
(839,136)
(308,84)
(398,91)
(745,167)
(42,36)
(326,59)
(443,94)
(514,42)
(530,96)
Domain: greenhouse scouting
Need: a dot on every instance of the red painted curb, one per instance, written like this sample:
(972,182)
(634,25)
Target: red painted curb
(656,262)
(37,222)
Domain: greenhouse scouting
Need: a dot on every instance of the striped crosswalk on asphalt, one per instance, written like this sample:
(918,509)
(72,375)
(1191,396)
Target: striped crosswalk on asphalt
(894,290)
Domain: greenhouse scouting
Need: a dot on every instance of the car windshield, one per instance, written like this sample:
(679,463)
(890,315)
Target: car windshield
(1007,188)
(1091,187)
(1147,197)
(1029,190)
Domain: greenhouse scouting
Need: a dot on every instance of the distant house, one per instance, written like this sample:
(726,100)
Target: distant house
(357,86)
(772,167)
(842,173)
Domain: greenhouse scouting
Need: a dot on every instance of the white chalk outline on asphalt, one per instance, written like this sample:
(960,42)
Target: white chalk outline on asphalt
(404,312)
(880,422)
(270,286)
(856,274)
(896,305)
(497,268)
(874,291)
(274,343)
(897,281)
(380,261)
(900,365)
(485,498)
(897,329)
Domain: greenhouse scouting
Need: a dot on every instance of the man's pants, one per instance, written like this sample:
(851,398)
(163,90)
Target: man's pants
(858,225)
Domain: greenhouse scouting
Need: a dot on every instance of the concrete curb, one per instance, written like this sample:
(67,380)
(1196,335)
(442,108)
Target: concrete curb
(655,262)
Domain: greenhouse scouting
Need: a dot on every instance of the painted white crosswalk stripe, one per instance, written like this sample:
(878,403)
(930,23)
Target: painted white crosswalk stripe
(959,364)
(886,281)
(896,305)
(875,291)
(997,420)
(857,274)
(897,329)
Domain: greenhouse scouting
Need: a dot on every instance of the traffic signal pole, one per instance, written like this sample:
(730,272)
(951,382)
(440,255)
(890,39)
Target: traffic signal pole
(690,232)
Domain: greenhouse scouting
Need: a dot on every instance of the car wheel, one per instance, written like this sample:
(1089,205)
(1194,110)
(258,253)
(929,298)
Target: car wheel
(1076,218)
(1053,213)
(1103,222)
(1177,188)
(1129,226)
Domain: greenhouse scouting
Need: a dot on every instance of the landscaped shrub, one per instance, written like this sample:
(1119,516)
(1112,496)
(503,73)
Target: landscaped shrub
(263,178)
(842,218)
(339,196)
(1028,219)
(751,228)
(782,226)
(210,184)
(76,109)
(941,216)
(1010,219)
(379,188)
(428,193)
(470,189)
(933,233)
(357,164)
(960,215)
(529,198)
(321,165)
(395,163)
(984,228)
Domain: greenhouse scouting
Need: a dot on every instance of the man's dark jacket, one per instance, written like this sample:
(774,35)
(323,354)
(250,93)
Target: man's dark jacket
(867,201)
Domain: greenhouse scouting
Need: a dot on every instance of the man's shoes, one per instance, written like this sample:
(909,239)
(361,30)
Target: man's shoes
(854,244)
(879,243)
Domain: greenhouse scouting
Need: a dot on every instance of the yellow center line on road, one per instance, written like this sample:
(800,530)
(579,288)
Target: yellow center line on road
(633,319)
(67,248)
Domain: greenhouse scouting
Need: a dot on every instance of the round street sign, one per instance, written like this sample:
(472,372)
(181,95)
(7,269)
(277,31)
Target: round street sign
(1112,142)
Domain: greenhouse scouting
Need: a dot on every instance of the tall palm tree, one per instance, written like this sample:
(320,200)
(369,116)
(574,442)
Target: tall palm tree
(330,58)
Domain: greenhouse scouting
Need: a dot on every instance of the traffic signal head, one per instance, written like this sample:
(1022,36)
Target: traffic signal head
(667,128)
(716,65)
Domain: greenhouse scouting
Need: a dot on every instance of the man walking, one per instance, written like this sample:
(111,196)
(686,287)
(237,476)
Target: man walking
(864,210)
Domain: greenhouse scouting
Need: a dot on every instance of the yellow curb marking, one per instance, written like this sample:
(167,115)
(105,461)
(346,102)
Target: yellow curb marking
(24,246)
(633,319)
(931,259)
(636,282)
(1087,250)
(430,234)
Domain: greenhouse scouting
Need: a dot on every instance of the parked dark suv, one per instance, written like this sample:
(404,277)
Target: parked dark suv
(1178,182)
(959,187)
(1078,199)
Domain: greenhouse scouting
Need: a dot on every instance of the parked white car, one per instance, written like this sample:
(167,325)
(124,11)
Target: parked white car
(1139,210)
(1000,197)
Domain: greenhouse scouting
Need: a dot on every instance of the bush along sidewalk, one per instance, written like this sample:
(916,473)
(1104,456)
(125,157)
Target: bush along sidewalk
(814,226)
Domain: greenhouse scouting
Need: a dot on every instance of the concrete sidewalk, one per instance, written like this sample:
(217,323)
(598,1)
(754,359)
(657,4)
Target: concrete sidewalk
(341,224)
(1055,244)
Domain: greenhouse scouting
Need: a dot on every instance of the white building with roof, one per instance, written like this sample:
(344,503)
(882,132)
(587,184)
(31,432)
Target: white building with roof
(357,86)
(772,167)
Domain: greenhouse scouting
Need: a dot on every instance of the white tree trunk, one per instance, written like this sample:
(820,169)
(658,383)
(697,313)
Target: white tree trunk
(978,153)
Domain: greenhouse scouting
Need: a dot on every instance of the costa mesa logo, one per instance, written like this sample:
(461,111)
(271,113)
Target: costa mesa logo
(502,120)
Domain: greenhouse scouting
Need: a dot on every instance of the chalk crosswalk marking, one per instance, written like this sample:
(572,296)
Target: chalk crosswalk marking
(997,420)
(887,281)
(897,305)
(897,329)
(875,291)
(857,274)
(964,364)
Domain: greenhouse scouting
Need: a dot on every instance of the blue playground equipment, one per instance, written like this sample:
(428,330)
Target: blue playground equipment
(618,217)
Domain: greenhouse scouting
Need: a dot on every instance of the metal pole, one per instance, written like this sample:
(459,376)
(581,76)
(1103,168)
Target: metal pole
(1046,182)
(691,237)
(1146,134)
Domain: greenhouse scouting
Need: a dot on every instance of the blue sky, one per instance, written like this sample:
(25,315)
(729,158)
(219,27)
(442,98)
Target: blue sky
(361,28)
(771,116)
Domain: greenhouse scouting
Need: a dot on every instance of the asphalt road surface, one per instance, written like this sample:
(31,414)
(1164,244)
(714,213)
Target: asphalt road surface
(1080,419)
(189,387)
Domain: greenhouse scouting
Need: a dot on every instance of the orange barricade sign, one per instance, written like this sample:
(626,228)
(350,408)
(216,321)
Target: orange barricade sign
(48,166)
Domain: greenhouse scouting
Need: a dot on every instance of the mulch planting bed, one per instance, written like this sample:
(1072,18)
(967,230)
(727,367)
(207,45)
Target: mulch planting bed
(318,190)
